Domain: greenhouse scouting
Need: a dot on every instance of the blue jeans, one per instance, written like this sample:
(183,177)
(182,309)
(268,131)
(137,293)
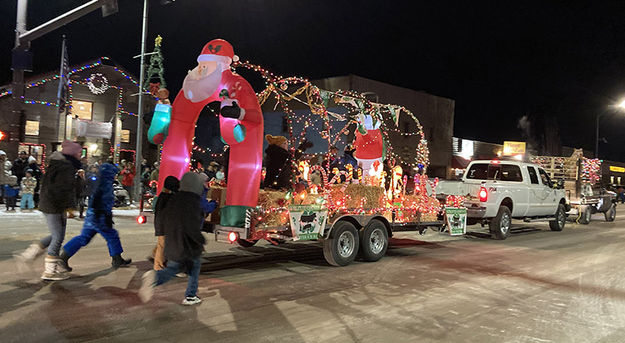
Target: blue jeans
(27,201)
(95,224)
(173,268)
(57,222)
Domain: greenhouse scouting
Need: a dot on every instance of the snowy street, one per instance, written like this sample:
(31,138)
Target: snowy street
(536,286)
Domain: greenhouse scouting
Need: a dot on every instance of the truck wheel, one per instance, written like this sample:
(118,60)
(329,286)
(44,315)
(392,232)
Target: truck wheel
(341,247)
(610,214)
(500,225)
(246,243)
(585,215)
(560,219)
(373,241)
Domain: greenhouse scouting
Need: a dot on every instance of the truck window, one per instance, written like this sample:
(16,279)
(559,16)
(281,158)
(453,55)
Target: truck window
(503,172)
(511,172)
(544,177)
(533,176)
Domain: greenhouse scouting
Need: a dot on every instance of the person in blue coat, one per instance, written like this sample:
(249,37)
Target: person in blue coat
(99,219)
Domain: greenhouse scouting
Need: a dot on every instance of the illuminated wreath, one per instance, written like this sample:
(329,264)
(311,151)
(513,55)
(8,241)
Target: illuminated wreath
(97,83)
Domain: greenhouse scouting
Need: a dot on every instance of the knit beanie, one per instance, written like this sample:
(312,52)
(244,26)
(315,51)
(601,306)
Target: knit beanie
(171,183)
(192,182)
(31,160)
(70,148)
(2,153)
(275,140)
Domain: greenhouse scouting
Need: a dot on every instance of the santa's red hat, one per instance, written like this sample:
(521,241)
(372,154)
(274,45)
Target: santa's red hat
(218,50)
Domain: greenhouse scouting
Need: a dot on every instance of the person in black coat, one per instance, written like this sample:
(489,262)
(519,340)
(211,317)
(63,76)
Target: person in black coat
(170,187)
(81,191)
(36,173)
(19,166)
(279,171)
(183,217)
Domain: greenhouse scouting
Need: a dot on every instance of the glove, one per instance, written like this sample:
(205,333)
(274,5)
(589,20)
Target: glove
(230,109)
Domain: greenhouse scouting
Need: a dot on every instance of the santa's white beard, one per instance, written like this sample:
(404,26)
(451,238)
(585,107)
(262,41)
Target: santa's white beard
(199,89)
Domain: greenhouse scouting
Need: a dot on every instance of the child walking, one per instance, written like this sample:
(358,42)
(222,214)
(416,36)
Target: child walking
(182,221)
(29,183)
(99,220)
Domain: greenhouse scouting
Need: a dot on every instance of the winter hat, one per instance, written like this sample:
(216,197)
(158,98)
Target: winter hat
(31,160)
(192,182)
(172,183)
(29,171)
(275,140)
(70,148)
(2,153)
(218,50)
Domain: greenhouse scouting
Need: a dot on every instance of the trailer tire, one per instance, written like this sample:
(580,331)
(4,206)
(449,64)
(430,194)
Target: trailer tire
(373,241)
(246,243)
(341,248)
(560,219)
(500,225)
(585,215)
(610,214)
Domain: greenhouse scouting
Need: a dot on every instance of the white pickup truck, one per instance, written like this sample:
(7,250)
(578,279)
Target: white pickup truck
(497,191)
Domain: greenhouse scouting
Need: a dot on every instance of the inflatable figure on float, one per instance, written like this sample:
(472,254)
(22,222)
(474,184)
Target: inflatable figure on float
(369,143)
(240,121)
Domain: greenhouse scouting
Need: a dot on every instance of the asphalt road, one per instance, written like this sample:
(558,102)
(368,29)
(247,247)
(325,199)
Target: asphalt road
(536,286)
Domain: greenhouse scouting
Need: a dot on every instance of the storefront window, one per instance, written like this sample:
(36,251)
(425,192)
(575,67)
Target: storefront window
(32,128)
(82,109)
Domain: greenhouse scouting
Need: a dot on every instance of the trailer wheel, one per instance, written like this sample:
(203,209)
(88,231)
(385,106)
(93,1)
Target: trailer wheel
(373,241)
(560,219)
(500,225)
(585,215)
(610,214)
(341,247)
(246,243)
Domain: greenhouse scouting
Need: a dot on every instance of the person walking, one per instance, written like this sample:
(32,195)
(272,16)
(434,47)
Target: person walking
(99,220)
(5,173)
(29,183)
(183,217)
(57,195)
(170,187)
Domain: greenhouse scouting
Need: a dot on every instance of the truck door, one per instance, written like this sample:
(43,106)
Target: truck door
(548,195)
(511,182)
(535,193)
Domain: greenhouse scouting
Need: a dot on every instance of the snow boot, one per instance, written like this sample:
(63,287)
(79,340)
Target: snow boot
(52,270)
(63,265)
(147,286)
(31,253)
(118,261)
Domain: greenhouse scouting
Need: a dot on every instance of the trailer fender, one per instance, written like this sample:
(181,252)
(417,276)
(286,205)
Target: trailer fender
(359,221)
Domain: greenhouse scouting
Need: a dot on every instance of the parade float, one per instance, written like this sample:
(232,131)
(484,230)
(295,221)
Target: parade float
(353,208)
(581,178)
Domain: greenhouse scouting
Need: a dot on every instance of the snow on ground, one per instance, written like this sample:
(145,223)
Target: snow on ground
(18,213)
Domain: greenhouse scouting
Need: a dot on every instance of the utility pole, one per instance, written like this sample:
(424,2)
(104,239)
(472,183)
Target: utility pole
(139,154)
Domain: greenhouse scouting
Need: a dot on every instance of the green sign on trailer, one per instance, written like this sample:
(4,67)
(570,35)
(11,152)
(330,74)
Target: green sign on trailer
(456,220)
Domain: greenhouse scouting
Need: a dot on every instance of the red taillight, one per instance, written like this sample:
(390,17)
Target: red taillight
(233,237)
(483,194)
(141,219)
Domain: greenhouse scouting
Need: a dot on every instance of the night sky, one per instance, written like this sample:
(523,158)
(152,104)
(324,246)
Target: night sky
(498,60)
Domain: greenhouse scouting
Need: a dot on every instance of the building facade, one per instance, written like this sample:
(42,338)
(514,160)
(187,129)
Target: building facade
(101,114)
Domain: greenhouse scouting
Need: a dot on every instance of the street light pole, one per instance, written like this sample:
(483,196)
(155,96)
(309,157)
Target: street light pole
(139,136)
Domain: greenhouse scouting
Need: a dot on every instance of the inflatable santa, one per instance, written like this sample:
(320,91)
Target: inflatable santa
(240,120)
